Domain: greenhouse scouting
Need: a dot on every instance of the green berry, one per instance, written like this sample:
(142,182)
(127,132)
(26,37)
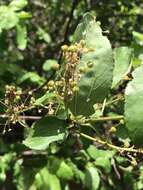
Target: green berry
(126,144)
(112,130)
(56,66)
(64,48)
(83,69)
(51,83)
(75,89)
(73,48)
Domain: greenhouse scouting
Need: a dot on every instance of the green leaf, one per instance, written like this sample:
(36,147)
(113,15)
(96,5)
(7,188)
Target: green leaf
(78,174)
(105,163)
(45,131)
(5,162)
(92,179)
(79,32)
(61,169)
(95,153)
(138,37)
(78,35)
(24,176)
(17,5)
(94,85)
(46,98)
(8,18)
(49,64)
(102,157)
(24,15)
(46,181)
(32,77)
(21,36)
(43,35)
(133,107)
(122,57)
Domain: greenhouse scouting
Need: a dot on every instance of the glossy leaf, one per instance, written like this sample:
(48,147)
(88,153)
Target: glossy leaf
(24,177)
(45,131)
(104,163)
(92,179)
(95,153)
(46,181)
(61,169)
(78,174)
(102,157)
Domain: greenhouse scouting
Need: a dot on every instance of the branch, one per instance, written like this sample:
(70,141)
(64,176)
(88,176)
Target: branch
(119,149)
(112,118)
(4,116)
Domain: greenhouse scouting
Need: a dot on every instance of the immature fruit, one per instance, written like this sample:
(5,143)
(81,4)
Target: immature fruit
(17,97)
(64,48)
(56,66)
(30,92)
(82,42)
(112,130)
(83,69)
(126,144)
(51,83)
(75,89)
(73,48)
(73,83)
(32,100)
(60,83)
(51,87)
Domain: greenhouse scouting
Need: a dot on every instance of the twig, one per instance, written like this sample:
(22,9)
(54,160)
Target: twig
(119,149)
(86,121)
(115,168)
(4,116)
(113,118)
(31,152)
(114,101)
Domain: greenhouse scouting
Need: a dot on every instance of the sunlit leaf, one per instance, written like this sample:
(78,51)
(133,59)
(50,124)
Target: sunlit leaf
(94,85)
(46,131)
(133,107)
